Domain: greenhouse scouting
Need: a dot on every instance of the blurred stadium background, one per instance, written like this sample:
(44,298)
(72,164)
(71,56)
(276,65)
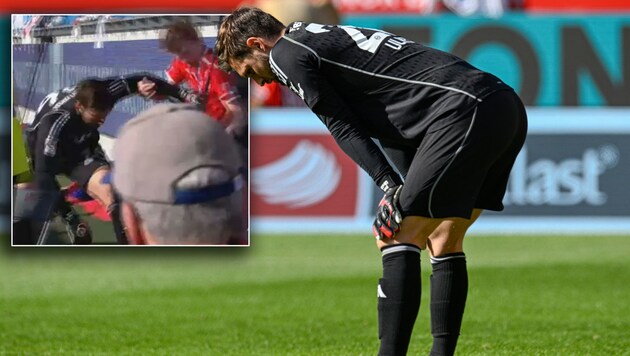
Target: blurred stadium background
(571,70)
(549,276)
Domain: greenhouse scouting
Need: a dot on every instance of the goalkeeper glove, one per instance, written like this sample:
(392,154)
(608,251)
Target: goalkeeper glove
(388,214)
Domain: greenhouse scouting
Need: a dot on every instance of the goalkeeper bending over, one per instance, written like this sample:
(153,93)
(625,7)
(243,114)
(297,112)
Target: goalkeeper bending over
(451,130)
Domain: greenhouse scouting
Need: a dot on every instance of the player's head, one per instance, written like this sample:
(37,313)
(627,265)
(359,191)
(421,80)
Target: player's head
(93,101)
(244,41)
(182,39)
(184,191)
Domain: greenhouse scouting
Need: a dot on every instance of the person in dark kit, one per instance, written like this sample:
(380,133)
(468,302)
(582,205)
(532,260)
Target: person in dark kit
(451,131)
(64,139)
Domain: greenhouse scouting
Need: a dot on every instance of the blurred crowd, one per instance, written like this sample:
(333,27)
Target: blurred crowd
(22,25)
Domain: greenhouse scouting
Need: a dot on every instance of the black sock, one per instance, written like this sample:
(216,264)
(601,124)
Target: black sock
(449,288)
(119,229)
(398,298)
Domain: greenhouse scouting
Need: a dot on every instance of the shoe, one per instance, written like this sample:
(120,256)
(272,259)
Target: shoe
(79,232)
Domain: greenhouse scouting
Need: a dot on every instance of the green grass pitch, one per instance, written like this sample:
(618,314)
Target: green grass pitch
(308,295)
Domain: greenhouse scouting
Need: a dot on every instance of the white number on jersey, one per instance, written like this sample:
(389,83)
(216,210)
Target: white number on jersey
(370,44)
(52,98)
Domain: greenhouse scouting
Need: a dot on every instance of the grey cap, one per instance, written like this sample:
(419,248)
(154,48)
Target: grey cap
(161,146)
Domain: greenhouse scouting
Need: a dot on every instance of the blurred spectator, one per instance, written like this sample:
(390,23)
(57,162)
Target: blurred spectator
(489,8)
(18,22)
(30,23)
(23,25)
(180,178)
(195,65)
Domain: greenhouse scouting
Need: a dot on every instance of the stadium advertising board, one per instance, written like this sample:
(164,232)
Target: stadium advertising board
(577,5)
(382,6)
(302,175)
(551,60)
(571,176)
(300,179)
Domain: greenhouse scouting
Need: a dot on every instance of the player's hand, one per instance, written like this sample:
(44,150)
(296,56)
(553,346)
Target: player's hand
(191,97)
(147,88)
(388,214)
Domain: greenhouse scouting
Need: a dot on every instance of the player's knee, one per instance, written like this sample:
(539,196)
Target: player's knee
(99,189)
(448,237)
(413,230)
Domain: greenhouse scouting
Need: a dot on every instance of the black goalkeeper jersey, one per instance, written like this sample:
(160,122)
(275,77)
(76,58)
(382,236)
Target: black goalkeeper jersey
(59,139)
(365,83)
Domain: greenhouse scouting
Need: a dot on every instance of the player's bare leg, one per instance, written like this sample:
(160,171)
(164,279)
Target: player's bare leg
(104,193)
(401,281)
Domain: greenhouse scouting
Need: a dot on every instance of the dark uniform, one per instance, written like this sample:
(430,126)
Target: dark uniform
(60,142)
(452,130)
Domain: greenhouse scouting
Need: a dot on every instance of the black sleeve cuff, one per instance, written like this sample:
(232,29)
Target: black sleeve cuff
(389,181)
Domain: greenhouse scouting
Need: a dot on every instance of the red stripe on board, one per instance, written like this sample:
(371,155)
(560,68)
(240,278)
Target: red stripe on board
(576,5)
(120,6)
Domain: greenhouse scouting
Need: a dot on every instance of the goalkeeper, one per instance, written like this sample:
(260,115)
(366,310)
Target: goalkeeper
(451,130)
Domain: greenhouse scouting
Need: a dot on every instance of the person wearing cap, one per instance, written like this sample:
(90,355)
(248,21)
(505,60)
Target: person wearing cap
(186,191)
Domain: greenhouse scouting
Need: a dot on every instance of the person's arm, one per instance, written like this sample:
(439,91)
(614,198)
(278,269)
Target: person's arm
(47,163)
(122,86)
(174,75)
(227,97)
(357,144)
(304,78)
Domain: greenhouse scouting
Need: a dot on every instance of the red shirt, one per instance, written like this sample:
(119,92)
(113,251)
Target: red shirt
(206,79)
(268,95)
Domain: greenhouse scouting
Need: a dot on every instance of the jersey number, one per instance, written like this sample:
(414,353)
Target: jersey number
(51,98)
(370,44)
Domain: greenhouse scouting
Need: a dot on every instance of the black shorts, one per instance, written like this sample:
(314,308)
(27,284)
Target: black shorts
(466,165)
(82,172)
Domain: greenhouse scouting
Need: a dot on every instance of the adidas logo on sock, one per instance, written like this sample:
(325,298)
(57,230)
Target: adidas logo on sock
(380,293)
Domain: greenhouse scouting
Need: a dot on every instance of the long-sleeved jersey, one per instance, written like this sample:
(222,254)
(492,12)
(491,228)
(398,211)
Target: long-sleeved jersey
(59,139)
(365,83)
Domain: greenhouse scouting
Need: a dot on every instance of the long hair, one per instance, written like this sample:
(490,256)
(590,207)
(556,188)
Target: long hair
(234,31)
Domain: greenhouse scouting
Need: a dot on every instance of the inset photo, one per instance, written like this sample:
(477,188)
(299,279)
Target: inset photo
(127,132)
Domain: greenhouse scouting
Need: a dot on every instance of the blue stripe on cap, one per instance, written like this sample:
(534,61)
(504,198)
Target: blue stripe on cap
(206,194)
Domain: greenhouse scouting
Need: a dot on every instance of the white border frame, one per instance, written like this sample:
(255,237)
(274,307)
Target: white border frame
(109,140)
